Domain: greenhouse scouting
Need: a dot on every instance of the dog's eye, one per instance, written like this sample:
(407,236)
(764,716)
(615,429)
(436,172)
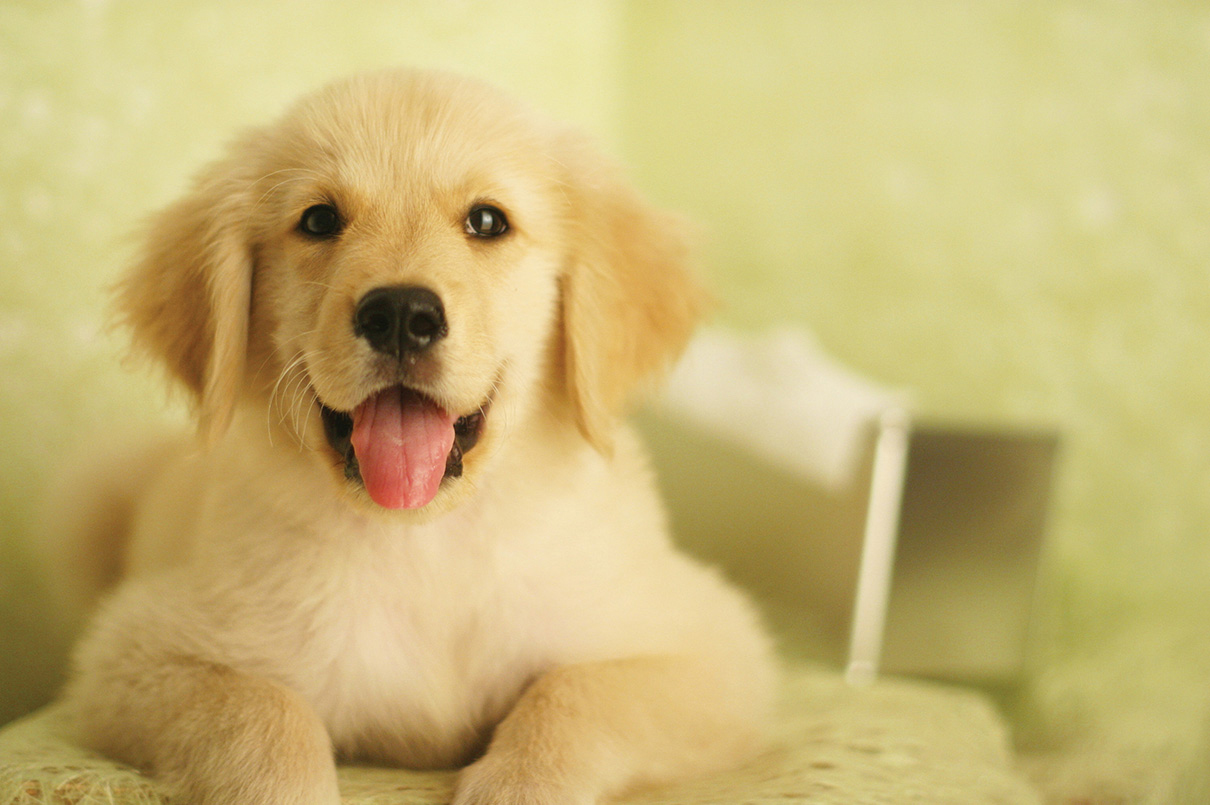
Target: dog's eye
(320,221)
(486,221)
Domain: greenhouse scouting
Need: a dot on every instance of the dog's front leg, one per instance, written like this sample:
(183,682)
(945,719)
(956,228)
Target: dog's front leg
(142,694)
(583,732)
(213,735)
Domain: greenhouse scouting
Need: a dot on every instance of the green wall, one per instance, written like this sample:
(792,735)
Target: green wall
(1004,207)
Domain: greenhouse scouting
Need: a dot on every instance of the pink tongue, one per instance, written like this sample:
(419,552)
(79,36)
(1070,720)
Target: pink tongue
(401,441)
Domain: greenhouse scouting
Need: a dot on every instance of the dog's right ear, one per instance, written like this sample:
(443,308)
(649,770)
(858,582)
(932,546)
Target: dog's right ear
(187,300)
(629,299)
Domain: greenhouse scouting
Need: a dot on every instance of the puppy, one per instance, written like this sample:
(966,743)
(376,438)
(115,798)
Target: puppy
(413,530)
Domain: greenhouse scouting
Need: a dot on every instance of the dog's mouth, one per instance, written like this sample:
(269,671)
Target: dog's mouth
(401,445)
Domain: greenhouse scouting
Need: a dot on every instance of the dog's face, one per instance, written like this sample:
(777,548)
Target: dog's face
(402,274)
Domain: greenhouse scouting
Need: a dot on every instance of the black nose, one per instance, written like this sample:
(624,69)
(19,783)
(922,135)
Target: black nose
(399,320)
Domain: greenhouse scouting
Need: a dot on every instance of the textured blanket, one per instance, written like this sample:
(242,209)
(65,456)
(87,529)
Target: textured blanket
(894,742)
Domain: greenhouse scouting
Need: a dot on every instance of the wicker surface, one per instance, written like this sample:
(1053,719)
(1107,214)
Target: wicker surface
(894,742)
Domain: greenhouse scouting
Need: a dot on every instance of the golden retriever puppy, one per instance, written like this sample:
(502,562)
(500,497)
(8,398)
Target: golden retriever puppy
(413,530)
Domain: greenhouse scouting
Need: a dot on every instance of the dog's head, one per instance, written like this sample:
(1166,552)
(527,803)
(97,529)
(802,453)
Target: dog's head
(405,271)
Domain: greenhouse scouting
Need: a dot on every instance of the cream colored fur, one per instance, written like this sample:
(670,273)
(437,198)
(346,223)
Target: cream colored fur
(534,620)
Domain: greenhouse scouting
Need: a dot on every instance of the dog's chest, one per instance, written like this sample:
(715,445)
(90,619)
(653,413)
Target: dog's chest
(418,655)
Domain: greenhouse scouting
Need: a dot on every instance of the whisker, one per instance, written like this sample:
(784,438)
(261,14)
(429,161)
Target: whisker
(298,175)
(275,398)
(323,285)
(297,392)
(301,395)
(272,189)
(304,399)
(304,171)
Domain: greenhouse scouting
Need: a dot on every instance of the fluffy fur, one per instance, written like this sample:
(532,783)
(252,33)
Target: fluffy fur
(262,616)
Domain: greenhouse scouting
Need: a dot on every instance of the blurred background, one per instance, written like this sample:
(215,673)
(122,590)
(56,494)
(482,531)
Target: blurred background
(1002,207)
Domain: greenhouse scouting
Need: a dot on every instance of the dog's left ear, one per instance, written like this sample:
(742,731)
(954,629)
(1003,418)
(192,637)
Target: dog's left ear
(187,300)
(629,299)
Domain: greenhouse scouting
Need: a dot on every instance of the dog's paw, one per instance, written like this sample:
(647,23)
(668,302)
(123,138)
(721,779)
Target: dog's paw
(254,743)
(490,781)
(256,783)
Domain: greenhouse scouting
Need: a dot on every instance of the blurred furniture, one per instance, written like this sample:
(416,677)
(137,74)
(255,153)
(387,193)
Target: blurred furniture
(872,538)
